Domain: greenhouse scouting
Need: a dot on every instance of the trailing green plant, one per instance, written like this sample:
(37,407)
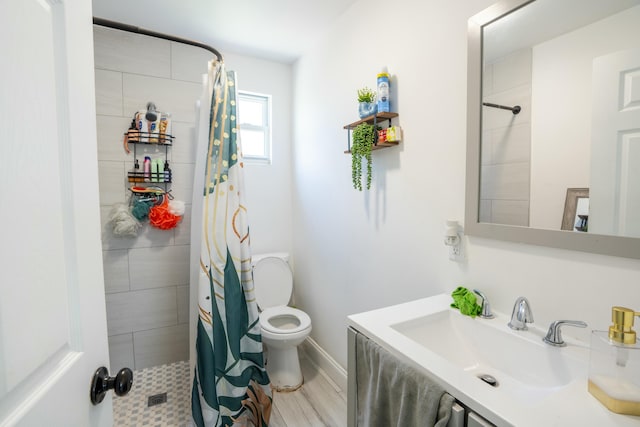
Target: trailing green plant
(363,138)
(366,95)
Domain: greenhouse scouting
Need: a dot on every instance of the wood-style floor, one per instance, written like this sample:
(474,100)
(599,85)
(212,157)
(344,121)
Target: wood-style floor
(318,403)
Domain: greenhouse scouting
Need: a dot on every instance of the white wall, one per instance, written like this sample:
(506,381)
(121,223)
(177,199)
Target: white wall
(561,135)
(268,187)
(358,251)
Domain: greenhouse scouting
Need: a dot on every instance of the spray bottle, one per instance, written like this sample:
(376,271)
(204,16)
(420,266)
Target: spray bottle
(383,91)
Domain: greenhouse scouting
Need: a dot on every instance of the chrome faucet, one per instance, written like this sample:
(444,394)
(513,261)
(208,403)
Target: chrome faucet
(486,306)
(521,315)
(554,334)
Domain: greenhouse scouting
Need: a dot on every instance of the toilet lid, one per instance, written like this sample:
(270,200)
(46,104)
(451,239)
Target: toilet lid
(273,282)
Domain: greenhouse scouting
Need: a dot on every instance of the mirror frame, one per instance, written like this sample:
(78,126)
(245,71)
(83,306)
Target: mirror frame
(627,247)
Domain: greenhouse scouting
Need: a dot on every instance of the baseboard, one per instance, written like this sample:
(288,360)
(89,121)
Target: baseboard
(324,361)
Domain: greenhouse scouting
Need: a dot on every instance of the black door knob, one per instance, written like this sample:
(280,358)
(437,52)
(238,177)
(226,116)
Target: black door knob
(102,382)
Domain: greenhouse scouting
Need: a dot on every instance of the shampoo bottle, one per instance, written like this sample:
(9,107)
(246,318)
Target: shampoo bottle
(614,364)
(146,166)
(383,92)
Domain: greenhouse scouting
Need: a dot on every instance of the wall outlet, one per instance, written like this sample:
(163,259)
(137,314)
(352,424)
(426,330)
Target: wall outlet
(456,252)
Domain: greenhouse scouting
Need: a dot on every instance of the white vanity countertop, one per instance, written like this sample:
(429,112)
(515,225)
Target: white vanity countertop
(568,405)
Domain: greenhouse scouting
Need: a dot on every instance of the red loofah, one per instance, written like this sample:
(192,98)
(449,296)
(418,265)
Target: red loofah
(160,217)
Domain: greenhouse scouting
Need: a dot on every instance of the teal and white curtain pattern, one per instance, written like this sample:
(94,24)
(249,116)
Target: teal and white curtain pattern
(231,386)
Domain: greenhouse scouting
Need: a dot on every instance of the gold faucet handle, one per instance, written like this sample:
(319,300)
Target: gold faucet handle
(622,328)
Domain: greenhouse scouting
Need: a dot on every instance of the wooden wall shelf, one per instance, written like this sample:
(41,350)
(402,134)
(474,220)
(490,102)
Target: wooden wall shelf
(373,119)
(378,146)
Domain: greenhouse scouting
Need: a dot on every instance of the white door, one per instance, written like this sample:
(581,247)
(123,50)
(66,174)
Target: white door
(53,332)
(614,205)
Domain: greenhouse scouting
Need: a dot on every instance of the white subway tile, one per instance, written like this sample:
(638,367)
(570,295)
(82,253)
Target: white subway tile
(111,131)
(182,181)
(184,145)
(189,62)
(146,277)
(487,80)
(510,212)
(131,53)
(121,352)
(183,304)
(511,144)
(159,267)
(512,71)
(171,96)
(507,181)
(486,148)
(161,346)
(112,178)
(183,230)
(108,92)
(485,211)
(116,270)
(141,310)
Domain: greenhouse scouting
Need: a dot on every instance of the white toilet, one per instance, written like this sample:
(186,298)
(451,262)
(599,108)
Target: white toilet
(282,327)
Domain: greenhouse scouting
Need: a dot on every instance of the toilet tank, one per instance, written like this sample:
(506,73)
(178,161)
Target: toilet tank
(257,257)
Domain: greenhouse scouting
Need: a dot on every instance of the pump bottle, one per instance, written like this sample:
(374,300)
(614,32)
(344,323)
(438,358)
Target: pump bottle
(614,364)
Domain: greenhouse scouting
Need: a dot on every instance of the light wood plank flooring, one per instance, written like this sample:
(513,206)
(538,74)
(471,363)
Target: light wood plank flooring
(318,403)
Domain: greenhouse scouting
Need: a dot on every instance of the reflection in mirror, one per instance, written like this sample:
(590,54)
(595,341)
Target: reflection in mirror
(573,66)
(576,210)
(581,220)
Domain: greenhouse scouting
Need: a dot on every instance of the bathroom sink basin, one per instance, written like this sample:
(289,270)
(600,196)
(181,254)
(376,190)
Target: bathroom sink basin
(535,384)
(519,361)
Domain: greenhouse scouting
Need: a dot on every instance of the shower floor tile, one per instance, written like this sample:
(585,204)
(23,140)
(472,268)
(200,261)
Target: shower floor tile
(172,379)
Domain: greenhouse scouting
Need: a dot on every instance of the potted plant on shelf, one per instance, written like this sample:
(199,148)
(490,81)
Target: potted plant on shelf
(366,102)
(363,138)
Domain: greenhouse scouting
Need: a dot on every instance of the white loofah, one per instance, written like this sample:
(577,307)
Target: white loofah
(176,207)
(124,224)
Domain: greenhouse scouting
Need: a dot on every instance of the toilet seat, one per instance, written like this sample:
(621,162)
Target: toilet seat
(283,320)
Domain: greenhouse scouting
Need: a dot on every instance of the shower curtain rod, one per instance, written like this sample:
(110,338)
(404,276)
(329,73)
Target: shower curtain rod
(138,30)
(514,110)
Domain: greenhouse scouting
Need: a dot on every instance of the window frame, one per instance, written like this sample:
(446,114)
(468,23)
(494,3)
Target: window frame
(265,100)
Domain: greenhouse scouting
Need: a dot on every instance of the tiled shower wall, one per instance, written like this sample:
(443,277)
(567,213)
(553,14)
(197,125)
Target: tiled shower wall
(146,277)
(506,141)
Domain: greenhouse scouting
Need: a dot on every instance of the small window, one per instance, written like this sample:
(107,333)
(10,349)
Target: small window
(254,113)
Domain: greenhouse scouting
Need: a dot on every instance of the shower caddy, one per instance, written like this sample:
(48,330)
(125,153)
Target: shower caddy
(148,185)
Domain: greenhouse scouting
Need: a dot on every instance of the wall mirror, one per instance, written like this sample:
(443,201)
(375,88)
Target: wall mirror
(554,105)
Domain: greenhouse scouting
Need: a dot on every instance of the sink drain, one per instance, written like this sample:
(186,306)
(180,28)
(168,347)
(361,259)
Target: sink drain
(489,379)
